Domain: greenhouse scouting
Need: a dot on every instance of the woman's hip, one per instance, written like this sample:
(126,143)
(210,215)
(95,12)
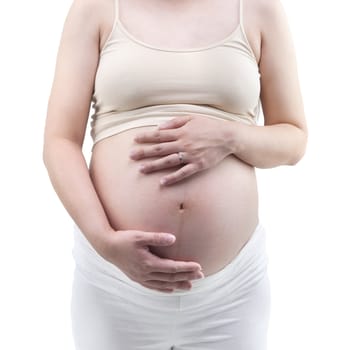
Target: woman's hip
(246,269)
(228,309)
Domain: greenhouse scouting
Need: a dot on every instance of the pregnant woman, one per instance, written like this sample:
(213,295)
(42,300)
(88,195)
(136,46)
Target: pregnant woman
(168,245)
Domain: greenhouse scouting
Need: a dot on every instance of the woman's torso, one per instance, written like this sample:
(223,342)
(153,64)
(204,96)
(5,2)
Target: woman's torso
(212,213)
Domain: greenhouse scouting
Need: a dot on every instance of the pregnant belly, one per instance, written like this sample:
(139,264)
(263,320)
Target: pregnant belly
(212,213)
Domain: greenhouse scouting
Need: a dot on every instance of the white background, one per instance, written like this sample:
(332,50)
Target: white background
(304,208)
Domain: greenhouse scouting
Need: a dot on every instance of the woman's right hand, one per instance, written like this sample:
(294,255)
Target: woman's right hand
(129,251)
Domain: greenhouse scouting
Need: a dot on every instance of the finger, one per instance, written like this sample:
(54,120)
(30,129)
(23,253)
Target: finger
(155,239)
(173,266)
(165,290)
(159,164)
(183,172)
(156,136)
(175,122)
(176,277)
(157,150)
(167,285)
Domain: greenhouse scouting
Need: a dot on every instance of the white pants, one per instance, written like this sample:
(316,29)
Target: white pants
(228,310)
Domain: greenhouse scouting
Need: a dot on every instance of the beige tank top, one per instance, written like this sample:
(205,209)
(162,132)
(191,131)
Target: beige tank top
(138,84)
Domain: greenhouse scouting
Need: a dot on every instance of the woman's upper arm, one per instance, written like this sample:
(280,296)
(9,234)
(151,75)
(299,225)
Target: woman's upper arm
(280,90)
(76,64)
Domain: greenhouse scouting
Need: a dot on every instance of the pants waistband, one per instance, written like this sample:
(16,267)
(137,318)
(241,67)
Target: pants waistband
(250,260)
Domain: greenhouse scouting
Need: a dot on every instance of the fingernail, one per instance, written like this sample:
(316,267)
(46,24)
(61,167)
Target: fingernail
(198,276)
(169,237)
(163,181)
(187,285)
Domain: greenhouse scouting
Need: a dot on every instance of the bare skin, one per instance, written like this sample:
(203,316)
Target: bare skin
(212,213)
(190,23)
(232,208)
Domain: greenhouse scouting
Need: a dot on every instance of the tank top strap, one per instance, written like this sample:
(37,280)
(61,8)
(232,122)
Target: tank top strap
(240,11)
(116,10)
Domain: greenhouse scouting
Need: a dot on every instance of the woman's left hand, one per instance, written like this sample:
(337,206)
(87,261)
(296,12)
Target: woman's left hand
(200,140)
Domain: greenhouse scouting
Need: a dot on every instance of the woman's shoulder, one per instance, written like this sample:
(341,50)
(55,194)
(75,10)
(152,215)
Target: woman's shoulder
(86,13)
(266,12)
(92,10)
(96,16)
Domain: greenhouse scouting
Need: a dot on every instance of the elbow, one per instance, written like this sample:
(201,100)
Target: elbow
(297,157)
(299,148)
(50,149)
(46,157)
(55,146)
(47,151)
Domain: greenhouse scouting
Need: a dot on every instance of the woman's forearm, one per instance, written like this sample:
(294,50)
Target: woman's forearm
(266,146)
(70,178)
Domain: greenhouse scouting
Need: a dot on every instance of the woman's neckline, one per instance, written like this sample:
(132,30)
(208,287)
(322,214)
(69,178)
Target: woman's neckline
(194,49)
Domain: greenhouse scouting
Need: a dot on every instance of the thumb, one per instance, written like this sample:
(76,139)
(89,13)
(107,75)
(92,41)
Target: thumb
(157,239)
